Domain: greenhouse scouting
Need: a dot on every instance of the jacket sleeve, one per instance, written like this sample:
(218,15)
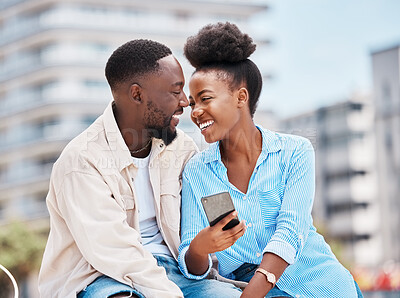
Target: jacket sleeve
(99,227)
(294,218)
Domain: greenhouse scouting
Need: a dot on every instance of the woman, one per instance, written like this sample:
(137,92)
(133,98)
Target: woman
(269,176)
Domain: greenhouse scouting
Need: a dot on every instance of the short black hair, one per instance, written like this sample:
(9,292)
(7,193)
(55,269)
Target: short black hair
(223,47)
(134,59)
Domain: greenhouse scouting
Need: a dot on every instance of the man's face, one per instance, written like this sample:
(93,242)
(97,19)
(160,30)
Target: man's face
(165,100)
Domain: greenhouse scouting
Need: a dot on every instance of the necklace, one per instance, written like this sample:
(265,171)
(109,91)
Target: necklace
(141,149)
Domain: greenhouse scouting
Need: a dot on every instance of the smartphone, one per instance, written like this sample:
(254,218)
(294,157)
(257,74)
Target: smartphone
(217,207)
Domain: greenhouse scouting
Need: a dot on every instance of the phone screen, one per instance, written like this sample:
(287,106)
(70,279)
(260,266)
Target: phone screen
(217,207)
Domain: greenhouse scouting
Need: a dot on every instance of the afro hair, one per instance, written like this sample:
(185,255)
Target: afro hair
(222,47)
(216,43)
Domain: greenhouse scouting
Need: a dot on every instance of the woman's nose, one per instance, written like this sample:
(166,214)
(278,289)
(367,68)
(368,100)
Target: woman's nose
(197,112)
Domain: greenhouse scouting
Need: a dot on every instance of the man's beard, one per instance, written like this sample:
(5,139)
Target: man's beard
(158,125)
(163,133)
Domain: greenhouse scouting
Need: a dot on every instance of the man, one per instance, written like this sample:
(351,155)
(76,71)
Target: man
(114,197)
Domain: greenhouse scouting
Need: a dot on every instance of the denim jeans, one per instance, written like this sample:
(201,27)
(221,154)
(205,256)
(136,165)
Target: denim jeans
(105,286)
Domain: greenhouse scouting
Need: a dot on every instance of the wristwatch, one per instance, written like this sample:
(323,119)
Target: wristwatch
(268,275)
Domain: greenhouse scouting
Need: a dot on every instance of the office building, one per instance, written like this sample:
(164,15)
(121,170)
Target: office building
(346,206)
(386,80)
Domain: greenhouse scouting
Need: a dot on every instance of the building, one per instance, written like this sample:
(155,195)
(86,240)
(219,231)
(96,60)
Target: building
(346,206)
(386,79)
(52,84)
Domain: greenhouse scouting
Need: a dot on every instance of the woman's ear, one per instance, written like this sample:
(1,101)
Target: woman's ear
(243,97)
(135,93)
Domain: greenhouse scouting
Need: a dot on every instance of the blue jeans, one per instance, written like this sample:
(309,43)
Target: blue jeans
(105,286)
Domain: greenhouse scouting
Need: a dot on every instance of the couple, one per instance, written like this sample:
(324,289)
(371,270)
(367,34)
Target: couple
(118,225)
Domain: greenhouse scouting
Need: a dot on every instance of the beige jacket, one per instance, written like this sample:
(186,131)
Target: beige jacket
(94,222)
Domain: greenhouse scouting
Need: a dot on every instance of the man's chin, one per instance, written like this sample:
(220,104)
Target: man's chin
(166,134)
(169,137)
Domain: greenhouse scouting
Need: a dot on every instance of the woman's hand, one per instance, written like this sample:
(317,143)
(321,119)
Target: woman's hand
(210,240)
(213,239)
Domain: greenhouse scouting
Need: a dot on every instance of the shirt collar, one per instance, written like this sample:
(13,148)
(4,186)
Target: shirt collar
(270,143)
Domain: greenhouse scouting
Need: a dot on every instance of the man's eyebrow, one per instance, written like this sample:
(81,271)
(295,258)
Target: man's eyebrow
(178,84)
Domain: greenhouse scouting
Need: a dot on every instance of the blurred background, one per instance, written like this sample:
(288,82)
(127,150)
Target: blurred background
(331,73)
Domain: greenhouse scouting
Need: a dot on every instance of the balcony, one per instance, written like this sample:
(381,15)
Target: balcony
(52,56)
(143,22)
(27,136)
(53,95)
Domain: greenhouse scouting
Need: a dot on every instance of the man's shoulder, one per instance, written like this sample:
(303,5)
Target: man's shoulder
(197,161)
(182,142)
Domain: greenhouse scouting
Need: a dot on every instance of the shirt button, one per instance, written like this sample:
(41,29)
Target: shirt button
(244,198)
(258,255)
(249,225)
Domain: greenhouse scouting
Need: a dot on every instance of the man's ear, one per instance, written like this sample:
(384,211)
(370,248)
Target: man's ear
(135,92)
(242,97)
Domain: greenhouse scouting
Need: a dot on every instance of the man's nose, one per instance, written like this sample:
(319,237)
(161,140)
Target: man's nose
(183,101)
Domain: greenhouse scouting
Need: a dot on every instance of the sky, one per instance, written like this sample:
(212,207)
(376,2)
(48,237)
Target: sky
(319,51)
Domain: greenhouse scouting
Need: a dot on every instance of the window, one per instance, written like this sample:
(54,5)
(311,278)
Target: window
(386,93)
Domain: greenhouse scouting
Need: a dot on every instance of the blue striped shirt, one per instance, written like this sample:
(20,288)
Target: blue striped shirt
(277,209)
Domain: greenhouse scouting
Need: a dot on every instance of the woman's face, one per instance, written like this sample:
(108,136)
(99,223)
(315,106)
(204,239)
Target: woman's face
(215,108)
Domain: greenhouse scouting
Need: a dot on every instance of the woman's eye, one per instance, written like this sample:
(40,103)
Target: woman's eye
(205,98)
(177,92)
(191,104)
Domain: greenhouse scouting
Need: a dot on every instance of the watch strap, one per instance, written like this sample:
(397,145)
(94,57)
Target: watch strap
(268,275)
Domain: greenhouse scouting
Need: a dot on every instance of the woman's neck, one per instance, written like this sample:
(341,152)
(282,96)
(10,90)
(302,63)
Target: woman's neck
(245,142)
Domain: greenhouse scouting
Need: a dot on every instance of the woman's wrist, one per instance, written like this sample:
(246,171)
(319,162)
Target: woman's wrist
(257,287)
(197,263)
(195,249)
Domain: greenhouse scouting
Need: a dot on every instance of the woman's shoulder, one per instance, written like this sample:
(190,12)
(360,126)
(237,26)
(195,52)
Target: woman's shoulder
(285,141)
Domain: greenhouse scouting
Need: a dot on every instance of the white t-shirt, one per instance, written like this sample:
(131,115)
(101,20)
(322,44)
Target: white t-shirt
(152,239)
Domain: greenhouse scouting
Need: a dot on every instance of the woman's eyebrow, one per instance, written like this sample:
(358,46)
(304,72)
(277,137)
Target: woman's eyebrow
(200,93)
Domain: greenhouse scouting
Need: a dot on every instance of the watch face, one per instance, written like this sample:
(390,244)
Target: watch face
(271,278)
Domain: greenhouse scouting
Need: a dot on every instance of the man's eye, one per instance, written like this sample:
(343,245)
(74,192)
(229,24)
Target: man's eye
(191,104)
(177,92)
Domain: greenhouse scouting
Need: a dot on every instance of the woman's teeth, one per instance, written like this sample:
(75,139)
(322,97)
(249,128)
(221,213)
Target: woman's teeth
(206,124)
